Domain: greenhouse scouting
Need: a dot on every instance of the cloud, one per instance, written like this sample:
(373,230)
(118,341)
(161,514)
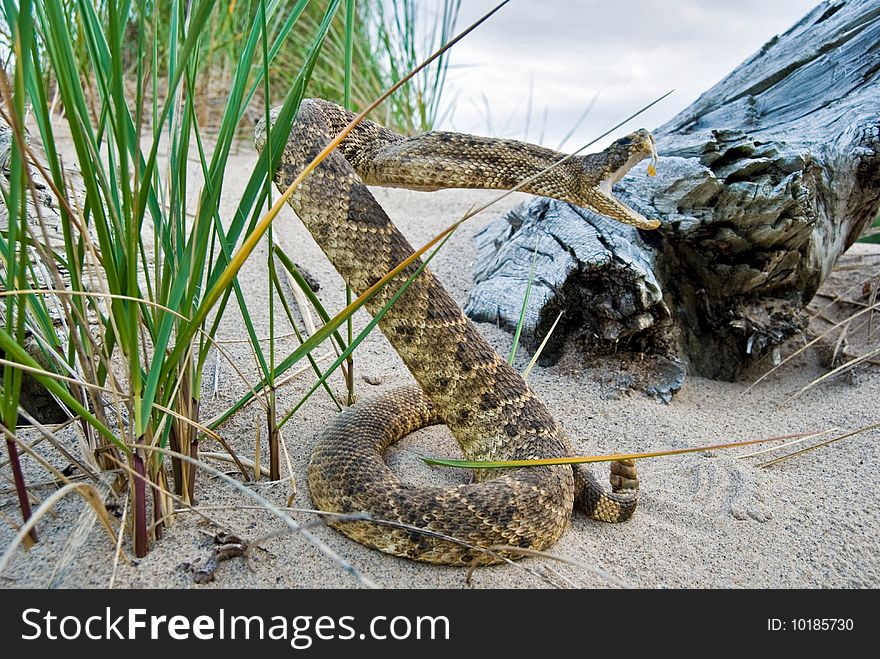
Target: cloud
(629,51)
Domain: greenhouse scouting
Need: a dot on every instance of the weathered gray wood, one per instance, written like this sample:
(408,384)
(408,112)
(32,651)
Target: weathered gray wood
(603,266)
(762,183)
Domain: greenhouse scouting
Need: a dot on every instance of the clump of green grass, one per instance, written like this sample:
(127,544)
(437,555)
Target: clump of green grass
(368,46)
(122,337)
(118,307)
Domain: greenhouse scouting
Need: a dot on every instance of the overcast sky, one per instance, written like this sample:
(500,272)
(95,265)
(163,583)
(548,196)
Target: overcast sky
(629,51)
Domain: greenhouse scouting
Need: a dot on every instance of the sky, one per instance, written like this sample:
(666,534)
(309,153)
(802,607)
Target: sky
(628,51)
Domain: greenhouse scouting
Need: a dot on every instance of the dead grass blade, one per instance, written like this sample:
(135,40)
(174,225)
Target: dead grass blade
(86,490)
(249,464)
(55,376)
(809,344)
(819,445)
(80,533)
(787,444)
(290,477)
(587,459)
(118,552)
(540,349)
(855,361)
(49,435)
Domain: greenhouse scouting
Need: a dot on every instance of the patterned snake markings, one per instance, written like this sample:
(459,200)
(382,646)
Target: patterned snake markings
(462,381)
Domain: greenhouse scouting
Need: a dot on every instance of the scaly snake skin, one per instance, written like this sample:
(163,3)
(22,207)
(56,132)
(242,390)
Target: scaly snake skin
(463,382)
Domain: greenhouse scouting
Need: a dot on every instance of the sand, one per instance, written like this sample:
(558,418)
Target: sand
(710,519)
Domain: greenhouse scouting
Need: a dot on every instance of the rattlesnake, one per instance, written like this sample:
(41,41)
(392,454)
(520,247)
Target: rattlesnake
(463,382)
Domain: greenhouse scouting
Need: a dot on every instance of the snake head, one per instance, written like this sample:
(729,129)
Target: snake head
(602,170)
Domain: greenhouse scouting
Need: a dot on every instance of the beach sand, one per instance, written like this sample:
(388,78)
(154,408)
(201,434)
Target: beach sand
(710,519)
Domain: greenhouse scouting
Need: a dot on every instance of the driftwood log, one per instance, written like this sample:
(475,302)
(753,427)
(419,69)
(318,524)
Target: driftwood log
(761,184)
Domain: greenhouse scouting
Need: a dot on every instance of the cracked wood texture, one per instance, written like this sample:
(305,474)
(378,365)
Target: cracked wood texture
(762,183)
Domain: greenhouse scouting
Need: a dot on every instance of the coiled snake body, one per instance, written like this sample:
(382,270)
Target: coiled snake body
(463,382)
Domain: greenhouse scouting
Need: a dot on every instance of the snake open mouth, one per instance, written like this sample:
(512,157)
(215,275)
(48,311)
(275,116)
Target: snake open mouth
(638,146)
